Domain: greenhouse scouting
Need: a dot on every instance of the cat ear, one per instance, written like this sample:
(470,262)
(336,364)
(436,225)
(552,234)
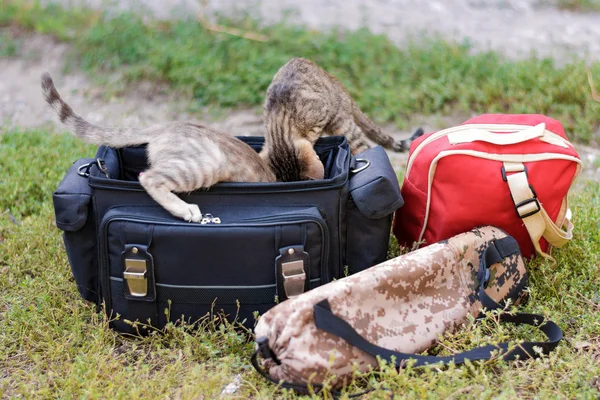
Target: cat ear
(312,167)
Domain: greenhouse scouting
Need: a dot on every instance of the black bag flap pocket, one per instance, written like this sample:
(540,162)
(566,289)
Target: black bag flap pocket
(373,184)
(72,198)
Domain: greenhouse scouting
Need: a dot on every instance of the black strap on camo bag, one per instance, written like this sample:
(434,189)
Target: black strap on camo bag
(496,252)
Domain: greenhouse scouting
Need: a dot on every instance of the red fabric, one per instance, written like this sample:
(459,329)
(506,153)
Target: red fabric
(469,191)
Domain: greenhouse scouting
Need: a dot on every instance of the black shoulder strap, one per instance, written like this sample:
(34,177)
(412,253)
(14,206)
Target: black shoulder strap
(496,252)
(331,323)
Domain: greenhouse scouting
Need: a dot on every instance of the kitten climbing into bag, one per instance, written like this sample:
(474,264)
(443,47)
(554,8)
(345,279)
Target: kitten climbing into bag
(183,156)
(302,103)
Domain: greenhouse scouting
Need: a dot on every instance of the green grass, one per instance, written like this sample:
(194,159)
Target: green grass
(576,5)
(55,345)
(8,44)
(31,166)
(390,84)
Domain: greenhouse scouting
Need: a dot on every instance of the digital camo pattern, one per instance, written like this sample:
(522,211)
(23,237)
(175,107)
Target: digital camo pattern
(403,304)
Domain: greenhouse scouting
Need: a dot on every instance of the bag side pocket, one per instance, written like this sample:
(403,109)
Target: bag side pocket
(374,196)
(74,216)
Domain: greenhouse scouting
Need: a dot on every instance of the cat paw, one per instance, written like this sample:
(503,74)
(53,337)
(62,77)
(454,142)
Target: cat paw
(402,145)
(192,213)
(418,133)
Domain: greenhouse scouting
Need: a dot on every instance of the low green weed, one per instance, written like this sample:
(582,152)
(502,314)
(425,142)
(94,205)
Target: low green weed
(577,5)
(8,45)
(429,76)
(55,345)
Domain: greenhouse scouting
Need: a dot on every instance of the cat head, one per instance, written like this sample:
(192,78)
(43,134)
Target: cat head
(297,162)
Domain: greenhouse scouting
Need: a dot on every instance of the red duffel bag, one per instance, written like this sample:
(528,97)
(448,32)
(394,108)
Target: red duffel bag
(510,171)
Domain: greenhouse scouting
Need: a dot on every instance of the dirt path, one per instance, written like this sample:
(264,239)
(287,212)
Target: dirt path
(514,27)
(22,106)
(21,103)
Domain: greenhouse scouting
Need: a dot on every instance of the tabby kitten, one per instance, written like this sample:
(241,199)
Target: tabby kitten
(183,156)
(302,103)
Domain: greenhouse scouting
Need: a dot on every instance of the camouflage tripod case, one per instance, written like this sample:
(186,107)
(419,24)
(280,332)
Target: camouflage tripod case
(396,309)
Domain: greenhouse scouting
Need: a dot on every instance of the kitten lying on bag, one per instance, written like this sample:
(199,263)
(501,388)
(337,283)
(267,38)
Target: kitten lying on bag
(183,156)
(303,102)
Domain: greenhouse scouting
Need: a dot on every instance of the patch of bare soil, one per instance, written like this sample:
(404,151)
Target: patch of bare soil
(515,28)
(22,105)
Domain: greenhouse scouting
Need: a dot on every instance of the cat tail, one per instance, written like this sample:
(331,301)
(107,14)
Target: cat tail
(114,137)
(375,133)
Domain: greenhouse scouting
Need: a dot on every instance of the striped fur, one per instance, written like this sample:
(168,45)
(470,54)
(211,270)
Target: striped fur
(183,156)
(304,102)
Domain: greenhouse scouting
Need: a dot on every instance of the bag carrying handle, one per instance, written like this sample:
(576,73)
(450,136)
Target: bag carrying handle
(477,134)
(488,136)
(496,252)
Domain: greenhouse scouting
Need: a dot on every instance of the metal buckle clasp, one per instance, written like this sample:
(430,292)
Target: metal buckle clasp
(209,219)
(102,166)
(294,277)
(135,276)
(84,170)
(366,165)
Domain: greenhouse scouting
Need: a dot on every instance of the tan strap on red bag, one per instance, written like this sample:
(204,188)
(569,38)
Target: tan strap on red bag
(512,171)
(531,211)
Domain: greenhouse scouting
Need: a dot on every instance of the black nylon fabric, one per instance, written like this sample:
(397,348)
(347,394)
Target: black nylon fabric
(205,295)
(375,189)
(236,255)
(215,266)
(71,199)
(374,196)
(74,216)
